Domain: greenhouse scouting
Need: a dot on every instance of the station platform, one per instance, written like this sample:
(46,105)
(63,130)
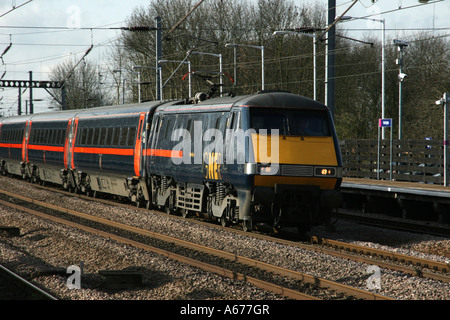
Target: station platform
(420,190)
(409,200)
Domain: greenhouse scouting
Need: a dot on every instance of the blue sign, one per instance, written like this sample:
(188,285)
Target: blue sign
(385,123)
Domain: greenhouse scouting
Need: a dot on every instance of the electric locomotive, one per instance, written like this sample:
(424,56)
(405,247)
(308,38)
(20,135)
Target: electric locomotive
(271,157)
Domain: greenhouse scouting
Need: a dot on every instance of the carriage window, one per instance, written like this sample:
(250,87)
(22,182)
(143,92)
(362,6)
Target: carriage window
(169,124)
(61,136)
(46,134)
(52,136)
(32,136)
(116,136)
(109,136)
(79,136)
(131,136)
(154,131)
(95,136)
(84,136)
(123,136)
(58,136)
(102,136)
(89,136)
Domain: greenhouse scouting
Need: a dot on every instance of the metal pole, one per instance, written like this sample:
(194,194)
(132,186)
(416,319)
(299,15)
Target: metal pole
(221,75)
(446,142)
(391,156)
(400,100)
(331,55)
(158,57)
(190,79)
(19,111)
(63,98)
(123,90)
(160,87)
(315,67)
(139,87)
(383,82)
(31,93)
(235,65)
(262,68)
(401,77)
(379,151)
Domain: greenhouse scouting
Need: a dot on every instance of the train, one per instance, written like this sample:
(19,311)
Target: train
(269,157)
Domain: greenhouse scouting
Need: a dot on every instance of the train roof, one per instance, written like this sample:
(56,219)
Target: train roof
(123,109)
(90,112)
(279,99)
(275,99)
(22,118)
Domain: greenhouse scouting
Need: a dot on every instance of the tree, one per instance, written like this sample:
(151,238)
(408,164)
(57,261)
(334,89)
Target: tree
(427,61)
(83,88)
(289,61)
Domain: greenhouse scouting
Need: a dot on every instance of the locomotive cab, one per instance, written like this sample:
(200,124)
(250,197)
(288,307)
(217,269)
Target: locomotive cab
(294,160)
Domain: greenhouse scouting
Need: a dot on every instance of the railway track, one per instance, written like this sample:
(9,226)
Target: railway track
(15,287)
(414,266)
(135,237)
(384,221)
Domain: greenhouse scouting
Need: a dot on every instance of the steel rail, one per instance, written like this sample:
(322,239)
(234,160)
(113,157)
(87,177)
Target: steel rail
(36,292)
(394,256)
(322,283)
(362,250)
(170,255)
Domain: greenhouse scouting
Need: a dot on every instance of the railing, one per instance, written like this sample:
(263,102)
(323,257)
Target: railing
(412,160)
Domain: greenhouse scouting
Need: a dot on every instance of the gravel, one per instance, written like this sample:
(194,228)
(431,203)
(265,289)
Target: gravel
(45,246)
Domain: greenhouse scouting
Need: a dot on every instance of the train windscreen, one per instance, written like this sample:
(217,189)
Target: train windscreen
(291,122)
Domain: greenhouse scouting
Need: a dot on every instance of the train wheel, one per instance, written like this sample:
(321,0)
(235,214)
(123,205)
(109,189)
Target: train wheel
(224,222)
(184,213)
(247,225)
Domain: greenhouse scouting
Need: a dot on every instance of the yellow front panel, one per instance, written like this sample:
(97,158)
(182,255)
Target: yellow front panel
(294,150)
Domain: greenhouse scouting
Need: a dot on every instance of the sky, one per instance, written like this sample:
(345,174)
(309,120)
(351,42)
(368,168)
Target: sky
(41,49)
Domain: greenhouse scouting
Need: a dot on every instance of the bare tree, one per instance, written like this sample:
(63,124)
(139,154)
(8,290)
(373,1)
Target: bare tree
(288,60)
(83,89)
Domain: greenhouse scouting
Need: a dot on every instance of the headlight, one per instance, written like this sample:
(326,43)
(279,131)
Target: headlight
(269,170)
(324,172)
